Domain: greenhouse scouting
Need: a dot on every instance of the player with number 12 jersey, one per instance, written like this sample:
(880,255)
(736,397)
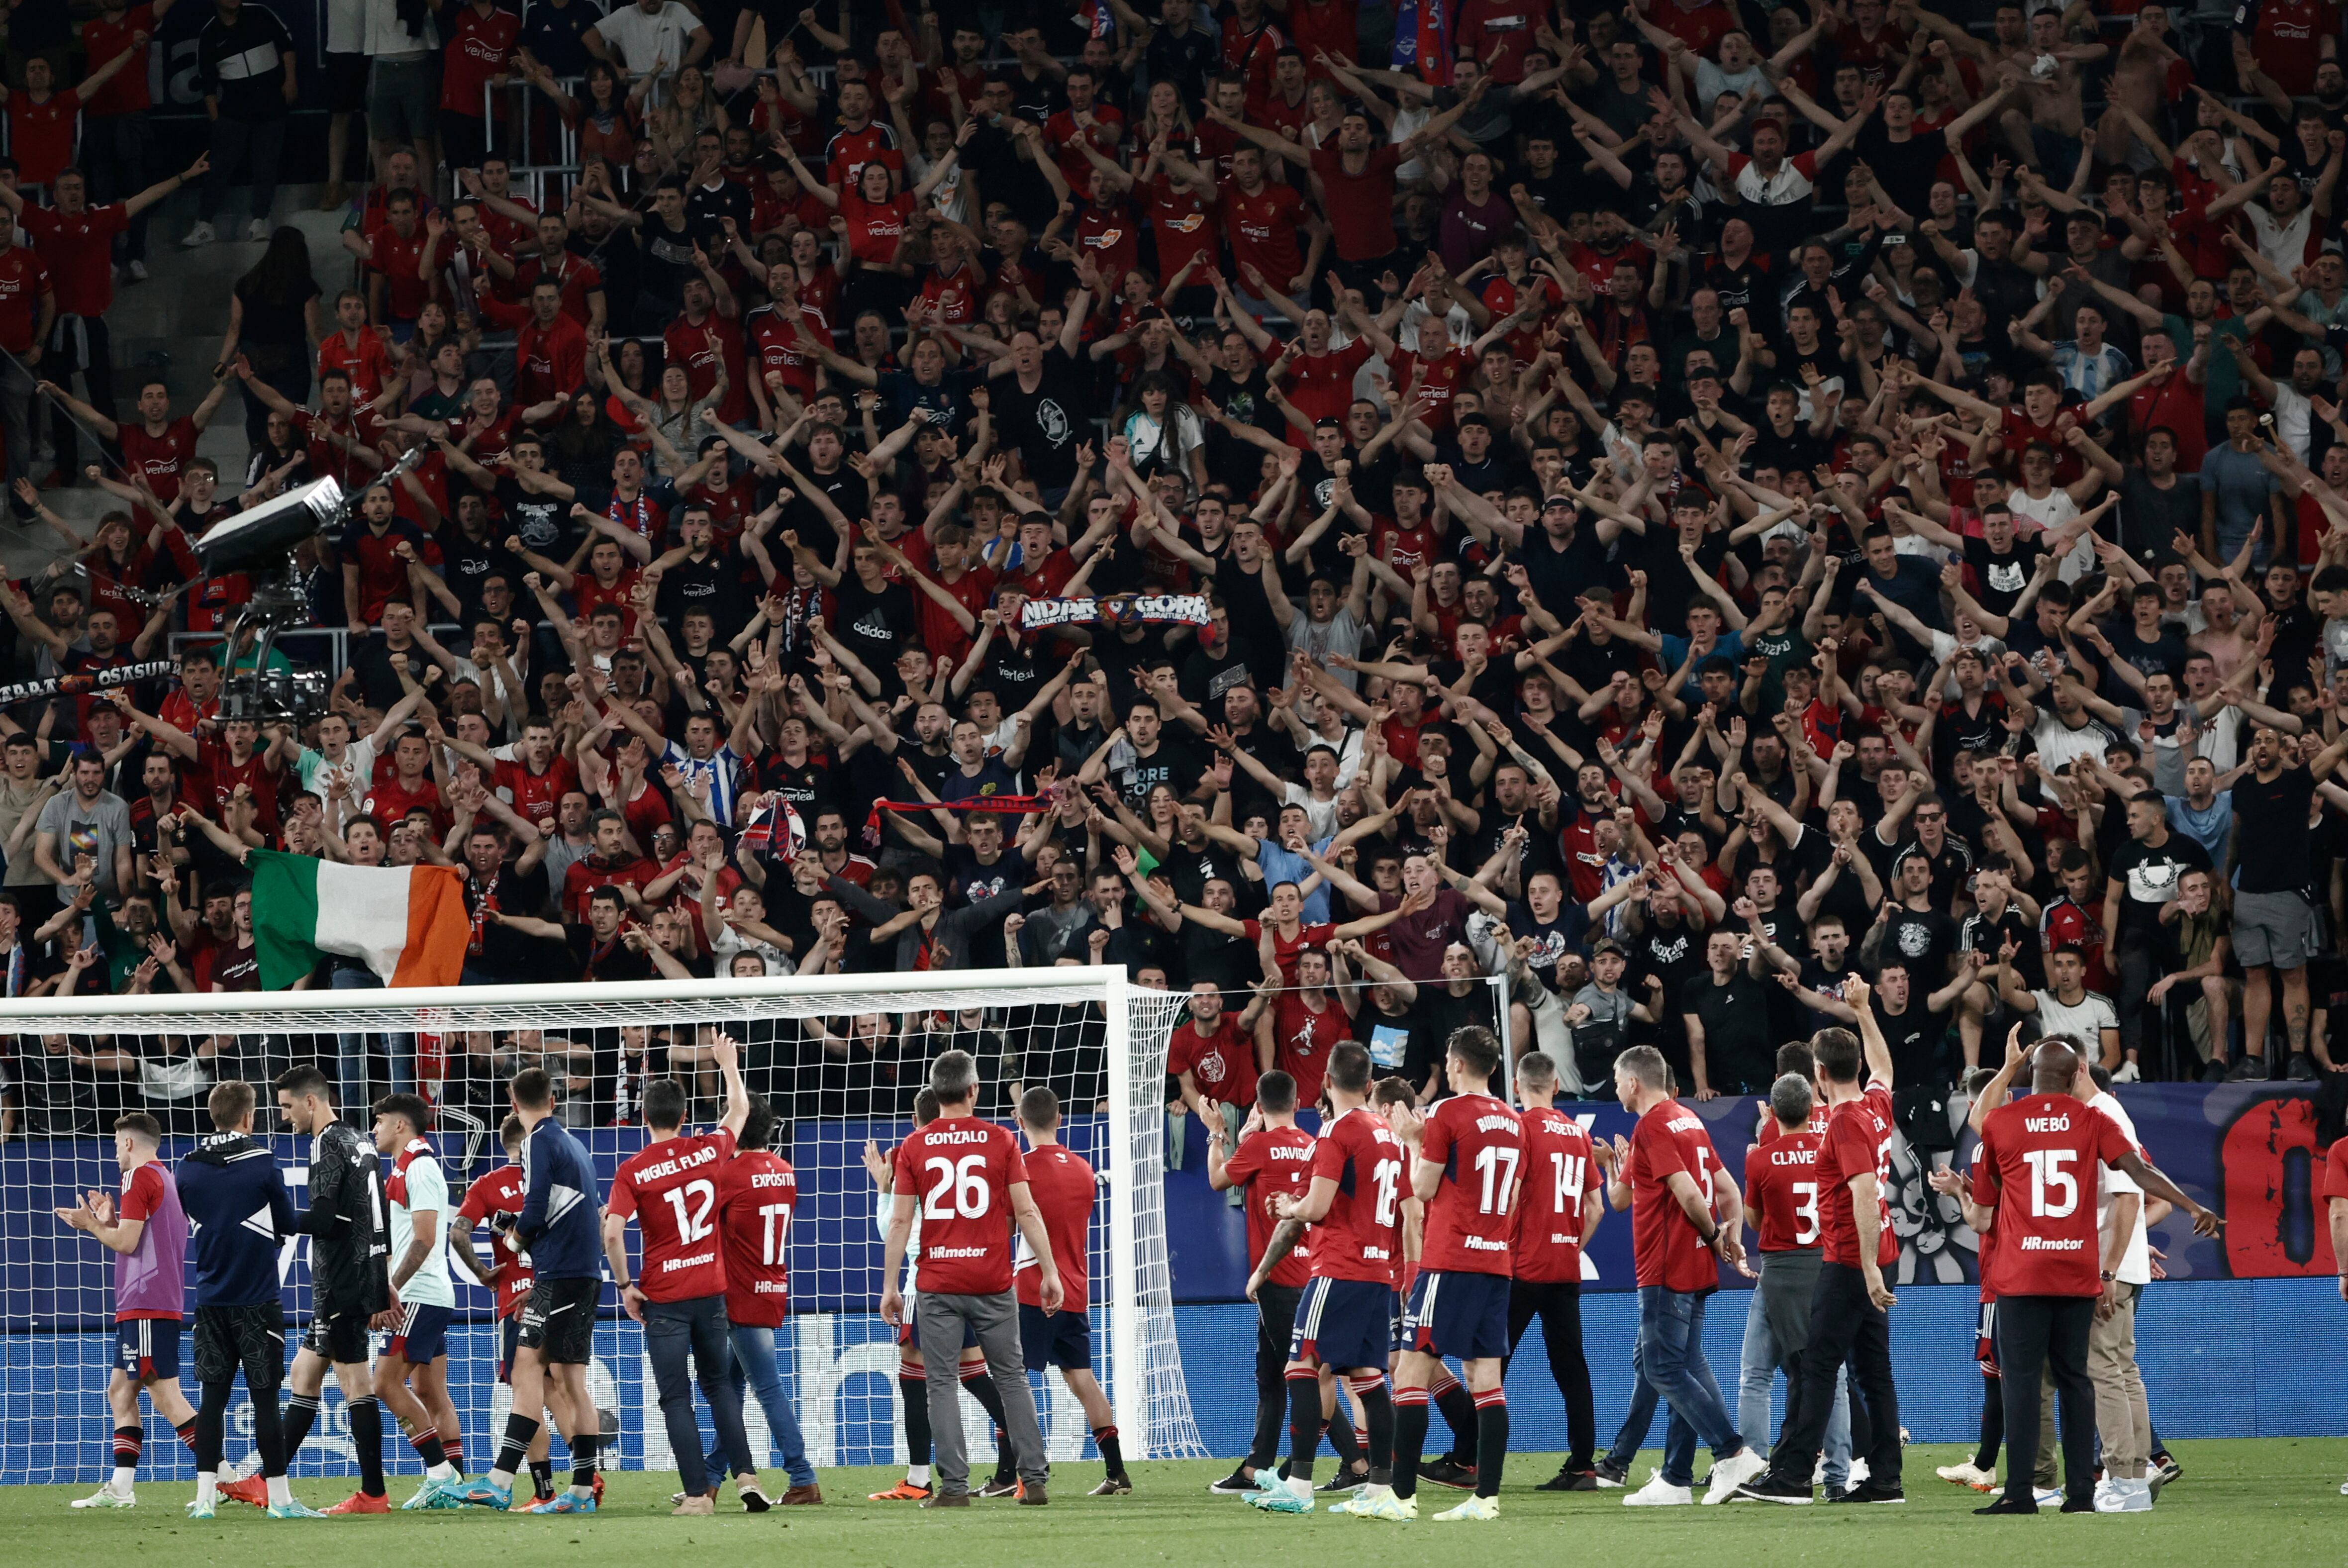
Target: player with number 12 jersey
(670,1189)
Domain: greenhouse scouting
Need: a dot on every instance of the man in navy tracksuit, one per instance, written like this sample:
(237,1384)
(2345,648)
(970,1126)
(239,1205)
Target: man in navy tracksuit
(561,1226)
(237,1203)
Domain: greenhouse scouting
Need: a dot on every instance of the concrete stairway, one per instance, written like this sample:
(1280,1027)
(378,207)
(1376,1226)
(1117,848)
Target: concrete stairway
(176,319)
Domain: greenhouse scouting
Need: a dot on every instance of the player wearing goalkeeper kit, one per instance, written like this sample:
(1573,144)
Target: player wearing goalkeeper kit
(559,1228)
(965,1175)
(495,1199)
(1345,1318)
(1558,1210)
(1467,1158)
(348,1292)
(148,1236)
(1064,1186)
(239,1209)
(1850,1306)
(1274,1158)
(670,1189)
(411,1377)
(2037,1161)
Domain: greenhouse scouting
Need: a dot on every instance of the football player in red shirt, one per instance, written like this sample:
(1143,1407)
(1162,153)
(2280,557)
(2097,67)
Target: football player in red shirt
(1274,1158)
(756,1195)
(670,1188)
(2037,1163)
(1064,1186)
(495,1198)
(1558,1212)
(1781,1199)
(1847,1313)
(1468,1160)
(1667,1174)
(963,1175)
(1343,1320)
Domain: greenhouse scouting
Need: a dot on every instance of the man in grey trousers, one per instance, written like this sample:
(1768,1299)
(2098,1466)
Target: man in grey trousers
(970,1181)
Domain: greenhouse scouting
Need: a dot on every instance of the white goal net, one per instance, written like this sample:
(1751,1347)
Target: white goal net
(839,1058)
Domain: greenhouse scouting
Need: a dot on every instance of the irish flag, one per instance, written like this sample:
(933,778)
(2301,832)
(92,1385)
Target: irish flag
(408,923)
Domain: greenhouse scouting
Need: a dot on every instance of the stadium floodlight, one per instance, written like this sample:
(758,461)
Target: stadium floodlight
(840,1058)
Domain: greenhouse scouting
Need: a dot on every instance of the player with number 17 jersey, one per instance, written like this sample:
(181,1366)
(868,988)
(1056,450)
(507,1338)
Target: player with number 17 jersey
(756,1192)
(1459,1303)
(671,1190)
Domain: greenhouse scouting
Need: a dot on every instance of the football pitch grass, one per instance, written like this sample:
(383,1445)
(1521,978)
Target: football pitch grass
(2271,1501)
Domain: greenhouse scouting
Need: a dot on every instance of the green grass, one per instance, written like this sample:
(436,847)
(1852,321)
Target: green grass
(2272,1503)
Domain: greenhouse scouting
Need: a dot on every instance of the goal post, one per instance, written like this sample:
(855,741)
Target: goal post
(840,1056)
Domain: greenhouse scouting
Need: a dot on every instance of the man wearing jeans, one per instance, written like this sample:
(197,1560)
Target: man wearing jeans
(756,1195)
(670,1188)
(962,1174)
(1667,1174)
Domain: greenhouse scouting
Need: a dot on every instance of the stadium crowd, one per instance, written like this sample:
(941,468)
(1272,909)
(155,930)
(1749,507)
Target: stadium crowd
(1676,508)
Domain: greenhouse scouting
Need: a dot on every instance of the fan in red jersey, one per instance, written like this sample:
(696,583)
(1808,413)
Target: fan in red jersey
(2036,1166)
(1344,1320)
(495,1199)
(1558,1209)
(670,1188)
(756,1193)
(1063,1188)
(1847,1311)
(1470,1162)
(1274,1158)
(965,1177)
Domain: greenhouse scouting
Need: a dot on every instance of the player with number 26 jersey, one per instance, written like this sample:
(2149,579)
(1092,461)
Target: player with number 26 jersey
(962,1170)
(671,1190)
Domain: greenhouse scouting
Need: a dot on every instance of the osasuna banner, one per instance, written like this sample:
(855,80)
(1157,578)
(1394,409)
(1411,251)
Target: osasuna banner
(1182,609)
(408,923)
(99,680)
(2247,1150)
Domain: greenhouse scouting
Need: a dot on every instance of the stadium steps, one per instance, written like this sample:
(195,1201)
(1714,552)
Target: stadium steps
(176,317)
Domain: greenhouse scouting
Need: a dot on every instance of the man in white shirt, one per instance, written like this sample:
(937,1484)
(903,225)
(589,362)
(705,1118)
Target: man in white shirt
(411,1375)
(2123,1417)
(2069,1008)
(649,36)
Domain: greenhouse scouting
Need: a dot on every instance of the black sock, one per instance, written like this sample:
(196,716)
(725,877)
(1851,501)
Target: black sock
(1304,1423)
(583,1461)
(212,1423)
(187,1430)
(521,1433)
(1492,1440)
(1410,1438)
(1112,1451)
(430,1450)
(913,1392)
(990,1399)
(128,1441)
(541,1478)
(1378,1417)
(1459,1415)
(269,1436)
(300,1414)
(1992,1424)
(1344,1441)
(366,1435)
